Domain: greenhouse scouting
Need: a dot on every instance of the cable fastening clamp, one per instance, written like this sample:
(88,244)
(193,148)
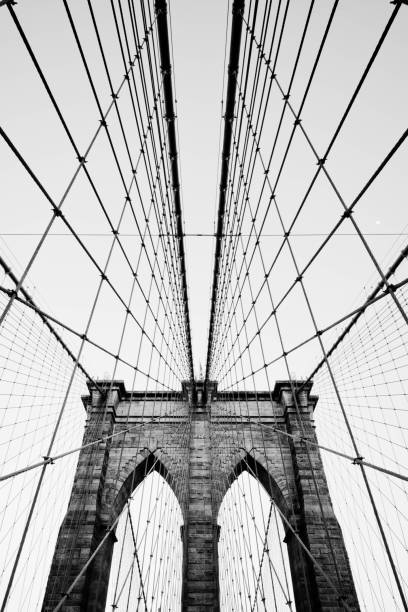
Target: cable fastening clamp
(358,460)
(347,213)
(48,460)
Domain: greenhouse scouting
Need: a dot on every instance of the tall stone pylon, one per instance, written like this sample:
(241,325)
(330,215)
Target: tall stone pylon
(229,433)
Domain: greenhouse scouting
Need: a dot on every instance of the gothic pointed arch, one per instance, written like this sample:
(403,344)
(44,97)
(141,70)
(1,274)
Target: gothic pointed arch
(122,490)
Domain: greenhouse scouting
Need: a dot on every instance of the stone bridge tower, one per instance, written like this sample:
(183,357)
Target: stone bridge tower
(229,433)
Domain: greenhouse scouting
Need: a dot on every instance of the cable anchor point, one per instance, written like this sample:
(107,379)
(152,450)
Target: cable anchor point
(358,460)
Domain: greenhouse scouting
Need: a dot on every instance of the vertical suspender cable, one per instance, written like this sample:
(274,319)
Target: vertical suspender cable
(233,66)
(163,35)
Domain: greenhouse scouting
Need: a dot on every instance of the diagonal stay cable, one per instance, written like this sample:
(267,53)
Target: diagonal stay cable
(58,213)
(332,232)
(149,129)
(332,141)
(47,317)
(304,547)
(249,131)
(28,301)
(82,159)
(236,31)
(54,458)
(93,88)
(162,147)
(305,440)
(356,312)
(109,530)
(230,250)
(321,163)
(163,34)
(373,297)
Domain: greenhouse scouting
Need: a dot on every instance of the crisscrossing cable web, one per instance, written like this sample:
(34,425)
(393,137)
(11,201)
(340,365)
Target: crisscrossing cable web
(147,569)
(309,278)
(35,372)
(106,248)
(309,287)
(249,569)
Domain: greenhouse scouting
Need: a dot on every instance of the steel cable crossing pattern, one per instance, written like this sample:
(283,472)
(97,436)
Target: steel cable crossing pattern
(256,476)
(103,122)
(358,460)
(215,276)
(238,216)
(219,296)
(320,167)
(392,293)
(168,224)
(236,31)
(162,26)
(82,159)
(219,365)
(225,156)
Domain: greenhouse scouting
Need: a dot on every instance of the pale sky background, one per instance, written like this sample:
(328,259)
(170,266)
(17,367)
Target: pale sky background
(63,282)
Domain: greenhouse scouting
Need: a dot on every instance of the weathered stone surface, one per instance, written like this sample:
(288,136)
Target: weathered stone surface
(209,439)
